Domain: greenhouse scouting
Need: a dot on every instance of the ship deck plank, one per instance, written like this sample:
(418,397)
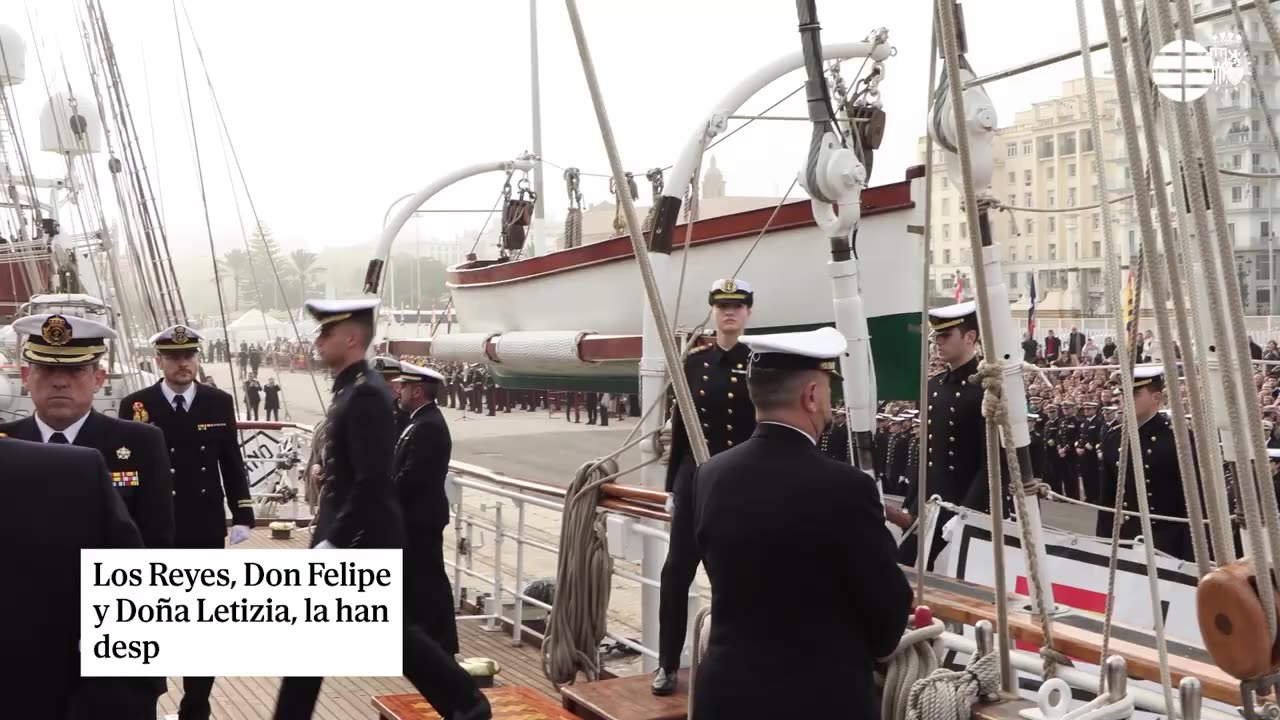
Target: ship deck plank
(254,698)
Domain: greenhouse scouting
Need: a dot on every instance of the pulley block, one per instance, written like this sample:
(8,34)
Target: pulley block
(1232,622)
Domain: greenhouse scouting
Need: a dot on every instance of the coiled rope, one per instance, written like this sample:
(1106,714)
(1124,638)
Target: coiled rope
(915,658)
(579,617)
(948,694)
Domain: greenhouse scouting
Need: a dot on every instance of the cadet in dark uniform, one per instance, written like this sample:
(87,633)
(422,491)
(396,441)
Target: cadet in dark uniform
(1087,443)
(956,463)
(62,375)
(389,368)
(775,501)
(717,375)
(1160,461)
(359,507)
(40,564)
(199,424)
(882,452)
(835,442)
(1052,462)
(1068,434)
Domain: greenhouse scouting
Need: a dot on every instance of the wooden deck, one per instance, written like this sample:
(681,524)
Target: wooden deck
(346,698)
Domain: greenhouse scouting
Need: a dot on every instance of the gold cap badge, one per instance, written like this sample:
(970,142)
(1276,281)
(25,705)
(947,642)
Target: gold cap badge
(56,330)
(728,285)
(180,335)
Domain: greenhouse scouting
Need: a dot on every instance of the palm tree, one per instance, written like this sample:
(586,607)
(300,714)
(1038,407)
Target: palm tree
(305,261)
(236,264)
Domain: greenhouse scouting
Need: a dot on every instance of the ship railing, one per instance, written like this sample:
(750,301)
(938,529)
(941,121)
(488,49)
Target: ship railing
(505,583)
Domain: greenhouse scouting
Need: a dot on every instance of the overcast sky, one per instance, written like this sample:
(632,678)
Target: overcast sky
(338,108)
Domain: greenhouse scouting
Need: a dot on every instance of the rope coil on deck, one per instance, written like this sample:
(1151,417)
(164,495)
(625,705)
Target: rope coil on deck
(915,658)
(947,694)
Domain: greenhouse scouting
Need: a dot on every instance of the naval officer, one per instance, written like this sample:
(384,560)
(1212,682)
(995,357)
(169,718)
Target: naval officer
(199,425)
(41,561)
(776,501)
(389,368)
(359,507)
(717,380)
(955,467)
(63,373)
(1159,460)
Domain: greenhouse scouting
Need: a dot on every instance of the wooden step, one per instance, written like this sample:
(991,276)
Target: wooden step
(508,703)
(626,698)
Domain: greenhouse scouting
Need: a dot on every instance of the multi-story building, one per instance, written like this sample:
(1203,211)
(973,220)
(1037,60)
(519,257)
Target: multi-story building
(1043,160)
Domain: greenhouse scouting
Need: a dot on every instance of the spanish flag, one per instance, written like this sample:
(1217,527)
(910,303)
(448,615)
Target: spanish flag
(1129,311)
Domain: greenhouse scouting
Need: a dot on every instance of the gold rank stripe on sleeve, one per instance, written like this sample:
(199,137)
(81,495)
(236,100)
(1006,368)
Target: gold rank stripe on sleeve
(206,426)
(246,503)
(124,478)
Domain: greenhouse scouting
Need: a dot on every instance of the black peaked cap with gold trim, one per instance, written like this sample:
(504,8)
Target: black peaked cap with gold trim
(963,315)
(177,338)
(328,312)
(818,349)
(62,340)
(731,290)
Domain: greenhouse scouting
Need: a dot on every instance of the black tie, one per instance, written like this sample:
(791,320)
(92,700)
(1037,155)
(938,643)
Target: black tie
(180,403)
(58,439)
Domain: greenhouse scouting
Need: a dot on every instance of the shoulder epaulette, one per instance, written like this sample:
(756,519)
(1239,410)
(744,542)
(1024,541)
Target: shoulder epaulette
(699,348)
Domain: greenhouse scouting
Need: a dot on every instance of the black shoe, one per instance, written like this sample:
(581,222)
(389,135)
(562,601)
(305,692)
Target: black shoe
(664,683)
(479,711)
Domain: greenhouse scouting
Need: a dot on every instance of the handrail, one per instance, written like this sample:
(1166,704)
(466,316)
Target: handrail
(272,425)
(624,499)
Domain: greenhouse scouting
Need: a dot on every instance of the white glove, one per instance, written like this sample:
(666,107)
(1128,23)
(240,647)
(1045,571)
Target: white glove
(325,545)
(239,533)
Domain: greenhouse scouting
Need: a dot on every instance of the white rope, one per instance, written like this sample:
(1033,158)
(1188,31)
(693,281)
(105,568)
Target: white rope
(915,658)
(948,694)
(579,616)
(695,653)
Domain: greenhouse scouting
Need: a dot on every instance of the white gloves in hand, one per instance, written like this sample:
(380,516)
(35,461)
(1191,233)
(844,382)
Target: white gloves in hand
(325,545)
(239,533)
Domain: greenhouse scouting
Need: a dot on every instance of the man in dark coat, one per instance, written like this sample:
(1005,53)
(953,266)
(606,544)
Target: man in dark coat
(420,469)
(359,507)
(776,501)
(956,465)
(199,425)
(717,375)
(63,374)
(40,563)
(389,369)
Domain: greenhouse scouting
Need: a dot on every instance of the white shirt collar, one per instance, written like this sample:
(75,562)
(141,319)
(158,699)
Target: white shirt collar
(793,427)
(70,433)
(189,394)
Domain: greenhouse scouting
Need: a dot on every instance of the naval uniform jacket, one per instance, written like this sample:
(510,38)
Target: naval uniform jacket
(776,502)
(1164,486)
(718,383)
(139,464)
(421,468)
(40,564)
(956,463)
(204,454)
(358,505)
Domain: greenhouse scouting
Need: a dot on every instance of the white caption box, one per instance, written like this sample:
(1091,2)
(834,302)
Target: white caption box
(248,613)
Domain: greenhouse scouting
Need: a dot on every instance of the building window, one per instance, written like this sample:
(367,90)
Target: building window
(1028,201)
(1231,232)
(1050,197)
(964,230)
(1071,169)
(1097,221)
(1026,177)
(1013,227)
(1028,254)
(1264,301)
(1053,224)
(1013,199)
(1011,150)
(946,256)
(1013,281)
(1067,143)
(1097,248)
(946,233)
(1048,173)
(1093,192)
(1013,254)
(1264,271)
(946,206)
(1044,147)
(948,282)
(1086,140)
(1235,162)
(945,183)
(1265,230)
(1013,177)
(1031,226)
(1237,194)
(1026,147)
(1071,197)
(1256,160)
(1053,251)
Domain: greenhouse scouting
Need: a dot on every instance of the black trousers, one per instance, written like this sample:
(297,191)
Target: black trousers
(433,673)
(678,573)
(195,690)
(910,547)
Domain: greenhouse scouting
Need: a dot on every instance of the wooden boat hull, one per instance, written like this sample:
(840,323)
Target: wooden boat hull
(597,290)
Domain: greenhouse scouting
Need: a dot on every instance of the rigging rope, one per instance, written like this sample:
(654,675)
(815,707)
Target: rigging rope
(949,695)
(922,479)
(915,659)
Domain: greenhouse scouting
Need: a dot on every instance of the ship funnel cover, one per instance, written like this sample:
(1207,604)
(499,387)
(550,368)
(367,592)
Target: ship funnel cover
(70,125)
(13,57)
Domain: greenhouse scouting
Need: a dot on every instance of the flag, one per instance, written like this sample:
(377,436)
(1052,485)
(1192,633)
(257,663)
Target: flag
(1128,304)
(1031,311)
(959,286)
